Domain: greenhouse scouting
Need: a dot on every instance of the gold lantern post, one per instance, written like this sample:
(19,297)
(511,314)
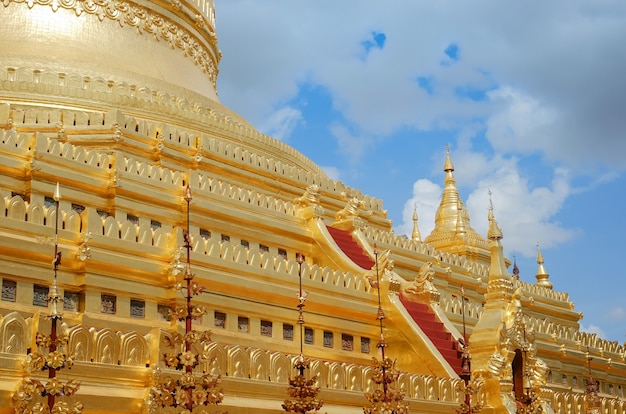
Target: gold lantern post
(468,387)
(387,399)
(50,355)
(593,403)
(186,391)
(530,402)
(302,392)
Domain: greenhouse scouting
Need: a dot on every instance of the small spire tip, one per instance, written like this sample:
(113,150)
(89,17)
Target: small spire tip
(57,193)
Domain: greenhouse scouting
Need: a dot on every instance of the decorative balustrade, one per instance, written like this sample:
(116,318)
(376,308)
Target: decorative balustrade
(384,238)
(187,140)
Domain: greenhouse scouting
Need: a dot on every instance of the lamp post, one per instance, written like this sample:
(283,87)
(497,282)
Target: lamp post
(531,403)
(50,355)
(469,387)
(188,390)
(388,400)
(302,392)
(593,403)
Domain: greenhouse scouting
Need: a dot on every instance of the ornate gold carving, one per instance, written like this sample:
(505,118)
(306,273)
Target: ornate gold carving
(309,203)
(422,289)
(496,364)
(84,251)
(144,20)
(423,280)
(351,210)
(311,196)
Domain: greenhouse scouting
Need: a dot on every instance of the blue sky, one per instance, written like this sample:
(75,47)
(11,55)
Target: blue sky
(530,97)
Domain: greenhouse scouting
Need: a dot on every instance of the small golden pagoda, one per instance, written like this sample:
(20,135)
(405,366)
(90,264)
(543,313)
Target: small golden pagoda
(117,102)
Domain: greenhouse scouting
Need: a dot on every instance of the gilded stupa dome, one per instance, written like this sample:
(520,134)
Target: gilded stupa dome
(155,45)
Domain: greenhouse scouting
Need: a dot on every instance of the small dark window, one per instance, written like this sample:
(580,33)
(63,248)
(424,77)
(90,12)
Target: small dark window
(71,301)
(133,219)
(137,308)
(49,201)
(263,248)
(205,234)
(288,332)
(266,328)
(243,324)
(9,289)
(102,213)
(108,304)
(365,345)
(155,224)
(282,253)
(40,295)
(347,342)
(219,319)
(245,244)
(308,336)
(328,339)
(225,238)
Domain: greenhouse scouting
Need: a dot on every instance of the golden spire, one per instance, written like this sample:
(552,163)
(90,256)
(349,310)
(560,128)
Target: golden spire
(494,232)
(452,219)
(448,166)
(415,236)
(498,269)
(542,276)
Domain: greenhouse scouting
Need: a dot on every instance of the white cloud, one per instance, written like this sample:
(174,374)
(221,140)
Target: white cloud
(332,172)
(281,123)
(425,199)
(617,314)
(525,214)
(350,145)
(520,124)
(555,66)
(593,329)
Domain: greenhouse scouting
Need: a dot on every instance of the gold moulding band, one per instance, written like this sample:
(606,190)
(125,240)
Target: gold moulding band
(145,21)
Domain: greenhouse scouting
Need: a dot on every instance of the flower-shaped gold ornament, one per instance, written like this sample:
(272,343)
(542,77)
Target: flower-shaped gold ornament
(43,340)
(192,337)
(54,387)
(198,311)
(171,360)
(55,360)
(180,312)
(35,361)
(187,380)
(188,359)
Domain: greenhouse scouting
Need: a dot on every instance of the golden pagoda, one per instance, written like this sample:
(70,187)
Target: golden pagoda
(117,102)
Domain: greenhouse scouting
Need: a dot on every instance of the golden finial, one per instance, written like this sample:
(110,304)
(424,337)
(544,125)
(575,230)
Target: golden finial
(494,232)
(542,276)
(448,166)
(415,236)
